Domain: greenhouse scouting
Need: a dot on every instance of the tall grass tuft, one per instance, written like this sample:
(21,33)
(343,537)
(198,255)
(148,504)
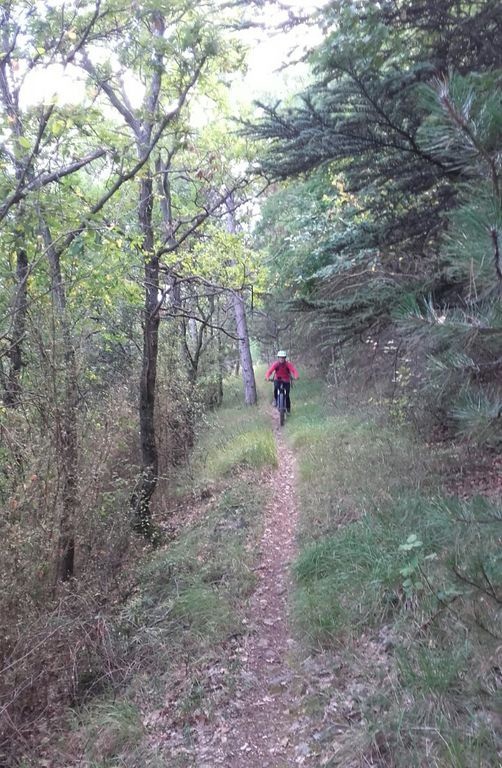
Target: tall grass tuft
(115,730)
(253,448)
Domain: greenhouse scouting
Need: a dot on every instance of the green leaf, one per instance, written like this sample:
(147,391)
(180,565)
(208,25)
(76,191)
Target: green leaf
(412,542)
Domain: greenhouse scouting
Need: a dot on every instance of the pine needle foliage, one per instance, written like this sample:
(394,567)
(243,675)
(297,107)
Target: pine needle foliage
(402,128)
(479,416)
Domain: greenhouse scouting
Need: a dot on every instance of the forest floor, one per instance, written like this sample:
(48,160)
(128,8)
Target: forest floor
(254,730)
(253,690)
(327,594)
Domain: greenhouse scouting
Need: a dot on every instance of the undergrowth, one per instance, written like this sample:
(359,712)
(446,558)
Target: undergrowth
(160,667)
(187,607)
(396,601)
(188,604)
(398,586)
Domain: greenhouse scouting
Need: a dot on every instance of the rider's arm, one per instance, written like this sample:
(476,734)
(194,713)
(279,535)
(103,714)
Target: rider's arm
(271,370)
(293,370)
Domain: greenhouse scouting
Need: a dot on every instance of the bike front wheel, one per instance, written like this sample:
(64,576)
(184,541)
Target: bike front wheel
(281,405)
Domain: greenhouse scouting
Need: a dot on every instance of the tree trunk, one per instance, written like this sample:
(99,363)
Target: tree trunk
(220,358)
(142,127)
(250,396)
(69,464)
(67,420)
(9,99)
(246,362)
(149,455)
(20,305)
(164,192)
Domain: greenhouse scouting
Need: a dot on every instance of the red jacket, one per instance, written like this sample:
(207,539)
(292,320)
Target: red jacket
(282,371)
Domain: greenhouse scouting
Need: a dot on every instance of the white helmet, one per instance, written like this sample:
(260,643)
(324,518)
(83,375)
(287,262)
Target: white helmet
(281,353)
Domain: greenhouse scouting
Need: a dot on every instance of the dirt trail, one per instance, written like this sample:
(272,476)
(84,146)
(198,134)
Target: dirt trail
(256,730)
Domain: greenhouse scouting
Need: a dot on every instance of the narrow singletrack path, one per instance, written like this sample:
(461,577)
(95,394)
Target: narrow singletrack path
(257,732)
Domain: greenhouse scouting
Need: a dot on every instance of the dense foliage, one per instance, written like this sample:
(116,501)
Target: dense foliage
(115,330)
(393,162)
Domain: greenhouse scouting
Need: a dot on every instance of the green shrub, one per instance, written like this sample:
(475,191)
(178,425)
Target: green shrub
(430,669)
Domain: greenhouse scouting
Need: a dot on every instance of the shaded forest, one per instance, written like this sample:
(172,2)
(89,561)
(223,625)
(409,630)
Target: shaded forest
(160,239)
(390,217)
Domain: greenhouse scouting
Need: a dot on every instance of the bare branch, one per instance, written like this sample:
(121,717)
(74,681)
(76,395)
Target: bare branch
(196,221)
(105,86)
(47,178)
(179,313)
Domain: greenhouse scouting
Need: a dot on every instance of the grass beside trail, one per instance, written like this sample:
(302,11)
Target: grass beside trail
(235,437)
(398,594)
(174,636)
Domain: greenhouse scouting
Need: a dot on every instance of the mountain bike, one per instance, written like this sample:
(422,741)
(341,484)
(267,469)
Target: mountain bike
(281,402)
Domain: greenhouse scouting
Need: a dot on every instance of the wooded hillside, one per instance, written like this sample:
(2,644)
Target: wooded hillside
(161,236)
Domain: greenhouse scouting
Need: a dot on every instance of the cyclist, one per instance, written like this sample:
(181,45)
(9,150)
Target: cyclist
(283,371)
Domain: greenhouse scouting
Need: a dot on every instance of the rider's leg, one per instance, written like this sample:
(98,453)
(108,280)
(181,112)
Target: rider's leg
(287,385)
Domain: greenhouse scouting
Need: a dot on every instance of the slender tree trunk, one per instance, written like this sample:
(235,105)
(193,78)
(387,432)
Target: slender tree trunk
(67,420)
(246,362)
(164,191)
(9,98)
(185,351)
(147,482)
(148,381)
(19,309)
(216,338)
(69,446)
(221,361)
(250,396)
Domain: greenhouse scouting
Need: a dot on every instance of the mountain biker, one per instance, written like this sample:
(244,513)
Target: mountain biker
(282,370)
